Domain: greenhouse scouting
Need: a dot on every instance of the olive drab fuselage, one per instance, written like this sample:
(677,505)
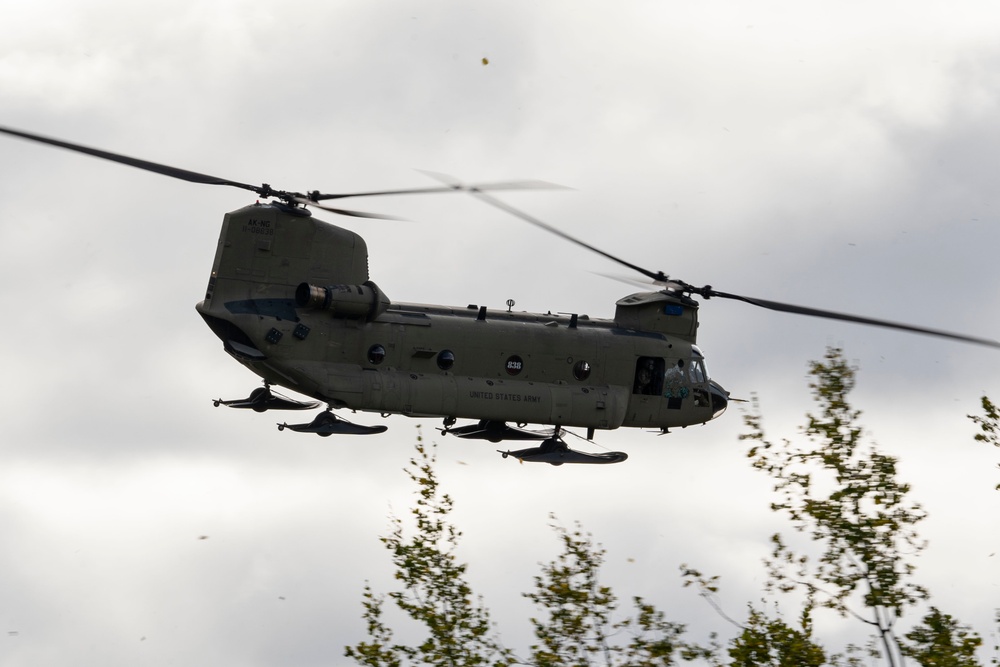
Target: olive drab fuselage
(291,299)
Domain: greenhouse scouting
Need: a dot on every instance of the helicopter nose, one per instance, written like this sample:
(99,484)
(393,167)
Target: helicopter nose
(720,398)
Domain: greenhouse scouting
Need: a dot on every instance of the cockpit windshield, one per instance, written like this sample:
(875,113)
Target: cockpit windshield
(697,371)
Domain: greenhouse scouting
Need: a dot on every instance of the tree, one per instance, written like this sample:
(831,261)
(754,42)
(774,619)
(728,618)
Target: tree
(763,641)
(847,498)
(989,424)
(577,627)
(771,641)
(579,608)
(434,591)
(942,641)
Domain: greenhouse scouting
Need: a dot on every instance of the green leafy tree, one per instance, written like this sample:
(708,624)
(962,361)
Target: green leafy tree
(770,641)
(763,641)
(434,591)
(578,607)
(847,498)
(988,423)
(578,627)
(941,641)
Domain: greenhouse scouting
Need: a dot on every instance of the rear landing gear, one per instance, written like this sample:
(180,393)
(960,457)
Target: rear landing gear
(326,424)
(262,399)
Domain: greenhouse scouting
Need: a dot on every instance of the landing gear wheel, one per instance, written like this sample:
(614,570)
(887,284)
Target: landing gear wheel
(554,444)
(260,397)
(325,419)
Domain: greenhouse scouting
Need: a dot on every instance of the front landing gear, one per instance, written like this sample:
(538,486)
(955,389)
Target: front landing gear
(554,451)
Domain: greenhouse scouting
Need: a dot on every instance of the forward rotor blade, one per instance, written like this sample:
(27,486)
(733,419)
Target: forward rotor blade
(173,172)
(830,315)
(658,276)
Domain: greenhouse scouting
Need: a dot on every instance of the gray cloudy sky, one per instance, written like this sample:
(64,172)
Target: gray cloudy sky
(842,155)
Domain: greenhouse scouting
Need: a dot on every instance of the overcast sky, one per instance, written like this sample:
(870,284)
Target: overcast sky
(841,155)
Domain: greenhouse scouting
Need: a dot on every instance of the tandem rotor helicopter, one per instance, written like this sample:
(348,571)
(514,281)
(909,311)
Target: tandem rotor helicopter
(291,299)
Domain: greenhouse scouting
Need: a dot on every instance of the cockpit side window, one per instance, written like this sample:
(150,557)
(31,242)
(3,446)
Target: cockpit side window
(675,383)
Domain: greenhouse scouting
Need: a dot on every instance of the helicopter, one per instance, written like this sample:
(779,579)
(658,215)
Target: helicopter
(291,299)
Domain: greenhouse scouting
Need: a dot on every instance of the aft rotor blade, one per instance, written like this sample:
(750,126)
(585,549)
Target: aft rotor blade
(344,211)
(457,187)
(830,315)
(173,172)
(633,282)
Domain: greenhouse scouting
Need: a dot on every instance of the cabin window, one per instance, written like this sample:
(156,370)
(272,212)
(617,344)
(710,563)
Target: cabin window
(514,365)
(376,355)
(445,359)
(581,370)
(648,376)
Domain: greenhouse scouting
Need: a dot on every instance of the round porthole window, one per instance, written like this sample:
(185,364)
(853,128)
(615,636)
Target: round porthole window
(514,365)
(446,359)
(581,370)
(376,355)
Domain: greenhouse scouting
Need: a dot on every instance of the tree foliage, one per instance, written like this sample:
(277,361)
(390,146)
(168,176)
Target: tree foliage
(847,498)
(578,607)
(434,592)
(941,641)
(763,641)
(578,626)
(988,423)
(771,641)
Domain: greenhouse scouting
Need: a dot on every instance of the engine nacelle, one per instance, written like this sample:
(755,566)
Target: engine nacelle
(348,301)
